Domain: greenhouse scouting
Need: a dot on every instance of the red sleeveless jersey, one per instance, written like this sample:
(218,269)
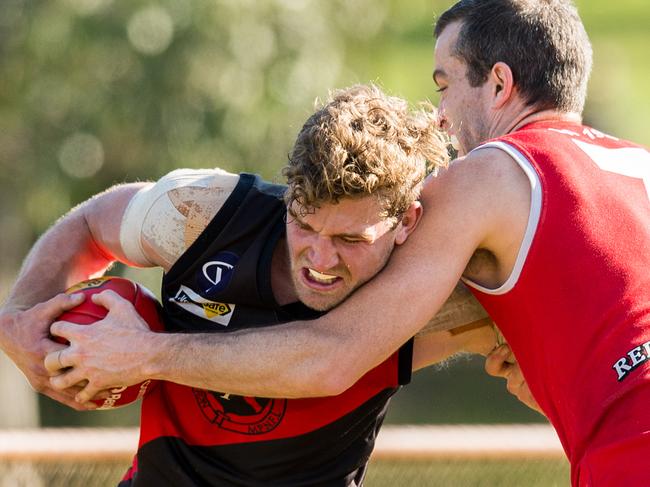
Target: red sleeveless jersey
(576,310)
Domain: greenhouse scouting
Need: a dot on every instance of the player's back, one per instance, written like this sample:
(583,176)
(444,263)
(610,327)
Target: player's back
(578,316)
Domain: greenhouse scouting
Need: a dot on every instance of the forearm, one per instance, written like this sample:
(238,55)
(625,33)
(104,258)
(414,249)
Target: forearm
(288,361)
(324,356)
(300,359)
(433,347)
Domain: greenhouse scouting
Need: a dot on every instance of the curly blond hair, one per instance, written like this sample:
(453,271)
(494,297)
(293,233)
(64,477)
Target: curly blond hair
(364,142)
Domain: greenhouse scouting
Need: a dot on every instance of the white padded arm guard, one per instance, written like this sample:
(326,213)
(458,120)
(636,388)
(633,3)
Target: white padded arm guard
(164,218)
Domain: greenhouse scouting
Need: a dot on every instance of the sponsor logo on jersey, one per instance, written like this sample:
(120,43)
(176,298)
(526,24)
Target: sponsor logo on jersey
(215,275)
(214,311)
(240,414)
(631,360)
(89,284)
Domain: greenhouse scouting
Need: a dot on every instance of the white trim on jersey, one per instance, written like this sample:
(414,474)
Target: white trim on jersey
(533,218)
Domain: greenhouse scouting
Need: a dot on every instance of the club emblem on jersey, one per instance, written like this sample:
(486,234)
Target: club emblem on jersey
(241,414)
(215,274)
(199,306)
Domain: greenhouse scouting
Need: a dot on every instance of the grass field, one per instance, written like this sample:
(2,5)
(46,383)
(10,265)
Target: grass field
(383,473)
(469,473)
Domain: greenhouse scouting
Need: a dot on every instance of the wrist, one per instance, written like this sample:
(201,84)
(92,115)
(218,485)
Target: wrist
(154,366)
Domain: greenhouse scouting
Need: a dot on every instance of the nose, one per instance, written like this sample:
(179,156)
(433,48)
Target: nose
(443,123)
(323,254)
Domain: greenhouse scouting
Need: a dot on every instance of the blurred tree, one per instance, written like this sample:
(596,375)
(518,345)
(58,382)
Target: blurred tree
(95,92)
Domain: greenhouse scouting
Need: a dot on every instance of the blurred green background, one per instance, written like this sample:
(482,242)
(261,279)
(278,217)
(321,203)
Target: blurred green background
(98,92)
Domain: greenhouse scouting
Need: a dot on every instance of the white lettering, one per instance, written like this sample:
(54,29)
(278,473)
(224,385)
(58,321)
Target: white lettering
(646,345)
(566,132)
(621,368)
(628,161)
(636,356)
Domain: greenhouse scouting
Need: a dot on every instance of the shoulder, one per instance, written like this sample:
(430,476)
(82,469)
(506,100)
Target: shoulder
(486,173)
(165,217)
(475,181)
(198,178)
(485,196)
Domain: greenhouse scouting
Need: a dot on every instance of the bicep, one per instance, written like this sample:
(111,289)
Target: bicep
(103,216)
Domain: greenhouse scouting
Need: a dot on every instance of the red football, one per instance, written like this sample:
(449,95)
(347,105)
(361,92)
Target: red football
(88,313)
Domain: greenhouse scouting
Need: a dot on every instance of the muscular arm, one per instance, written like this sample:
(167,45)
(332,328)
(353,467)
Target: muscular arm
(84,243)
(188,358)
(73,249)
(462,213)
(326,356)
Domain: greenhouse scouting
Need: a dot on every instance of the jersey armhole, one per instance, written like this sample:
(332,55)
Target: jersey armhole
(533,219)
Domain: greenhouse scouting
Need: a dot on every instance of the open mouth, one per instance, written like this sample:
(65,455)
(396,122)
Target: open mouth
(318,279)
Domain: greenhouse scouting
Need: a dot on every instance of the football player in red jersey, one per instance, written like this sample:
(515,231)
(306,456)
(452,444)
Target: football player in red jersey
(548,220)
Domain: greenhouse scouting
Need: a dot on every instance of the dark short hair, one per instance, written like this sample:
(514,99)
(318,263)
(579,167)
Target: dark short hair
(543,42)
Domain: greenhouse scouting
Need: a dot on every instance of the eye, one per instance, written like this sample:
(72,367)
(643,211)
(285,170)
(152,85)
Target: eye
(440,89)
(350,240)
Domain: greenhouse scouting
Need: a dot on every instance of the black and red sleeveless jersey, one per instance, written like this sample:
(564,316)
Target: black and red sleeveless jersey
(195,437)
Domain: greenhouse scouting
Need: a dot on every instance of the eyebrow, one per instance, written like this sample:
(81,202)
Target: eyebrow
(358,236)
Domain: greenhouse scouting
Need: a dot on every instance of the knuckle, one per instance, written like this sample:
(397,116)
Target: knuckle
(97,382)
(56,327)
(492,368)
(512,388)
(37,310)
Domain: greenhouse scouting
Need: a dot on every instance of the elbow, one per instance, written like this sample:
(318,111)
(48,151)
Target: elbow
(327,365)
(331,377)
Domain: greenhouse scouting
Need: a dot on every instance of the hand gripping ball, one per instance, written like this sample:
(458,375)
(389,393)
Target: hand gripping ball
(88,313)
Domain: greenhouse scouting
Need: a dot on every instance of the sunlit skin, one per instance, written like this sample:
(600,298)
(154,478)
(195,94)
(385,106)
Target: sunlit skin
(338,247)
(463,108)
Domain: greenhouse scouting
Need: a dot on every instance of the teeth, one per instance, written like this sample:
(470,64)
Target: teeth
(454,142)
(320,277)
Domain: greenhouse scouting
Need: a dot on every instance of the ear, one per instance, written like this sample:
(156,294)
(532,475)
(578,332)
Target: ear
(410,220)
(503,82)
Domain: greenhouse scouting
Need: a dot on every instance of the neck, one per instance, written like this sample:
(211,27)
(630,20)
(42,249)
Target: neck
(516,113)
(284,291)
(543,116)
